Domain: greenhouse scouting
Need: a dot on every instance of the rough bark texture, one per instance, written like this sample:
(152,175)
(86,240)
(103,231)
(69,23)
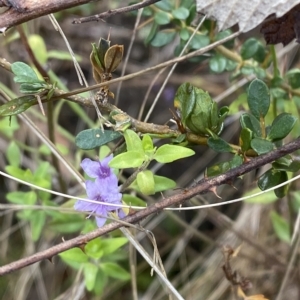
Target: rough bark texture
(20,11)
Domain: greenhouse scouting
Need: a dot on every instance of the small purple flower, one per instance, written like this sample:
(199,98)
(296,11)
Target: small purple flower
(104,189)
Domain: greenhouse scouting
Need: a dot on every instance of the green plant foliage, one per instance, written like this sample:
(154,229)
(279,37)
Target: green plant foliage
(281,126)
(218,63)
(115,271)
(270,179)
(25,75)
(293,77)
(13,154)
(286,164)
(145,182)
(90,274)
(223,167)
(246,136)
(170,153)
(17,106)
(180,13)
(93,138)
(163,38)
(135,201)
(281,227)
(162,18)
(258,98)
(253,48)
(131,159)
(261,146)
(133,141)
(198,111)
(219,145)
(161,183)
(250,122)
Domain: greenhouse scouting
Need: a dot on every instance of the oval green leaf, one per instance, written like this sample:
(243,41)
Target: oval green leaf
(145,182)
(258,98)
(282,126)
(162,18)
(261,146)
(169,153)
(163,38)
(133,141)
(219,145)
(93,138)
(131,159)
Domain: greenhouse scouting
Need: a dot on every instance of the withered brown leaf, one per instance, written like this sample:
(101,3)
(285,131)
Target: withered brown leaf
(284,29)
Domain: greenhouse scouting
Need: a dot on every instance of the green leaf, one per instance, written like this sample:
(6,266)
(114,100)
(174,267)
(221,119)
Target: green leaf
(111,245)
(93,248)
(293,77)
(258,98)
(252,48)
(13,154)
(219,145)
(74,255)
(37,222)
(162,18)
(251,123)
(145,182)
(163,38)
(64,223)
(282,126)
(25,198)
(184,34)
(62,55)
(17,106)
(93,138)
(223,167)
(291,166)
(152,33)
(133,200)
(131,159)
(245,139)
(218,63)
(38,47)
(272,178)
(281,227)
(133,141)
(199,41)
(166,5)
(222,35)
(115,271)
(261,146)
(24,71)
(163,183)
(101,280)
(147,143)
(8,126)
(180,13)
(90,273)
(168,153)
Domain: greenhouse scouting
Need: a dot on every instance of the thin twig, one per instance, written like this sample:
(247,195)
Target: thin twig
(113,12)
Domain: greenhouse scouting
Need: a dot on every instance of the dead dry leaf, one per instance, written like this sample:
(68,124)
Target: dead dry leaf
(247,14)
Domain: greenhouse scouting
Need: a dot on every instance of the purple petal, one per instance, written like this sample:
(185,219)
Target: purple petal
(96,169)
(100,221)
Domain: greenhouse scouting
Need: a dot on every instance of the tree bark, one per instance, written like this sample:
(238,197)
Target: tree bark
(20,11)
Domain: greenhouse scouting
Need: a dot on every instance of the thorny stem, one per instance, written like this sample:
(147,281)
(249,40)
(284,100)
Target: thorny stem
(202,186)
